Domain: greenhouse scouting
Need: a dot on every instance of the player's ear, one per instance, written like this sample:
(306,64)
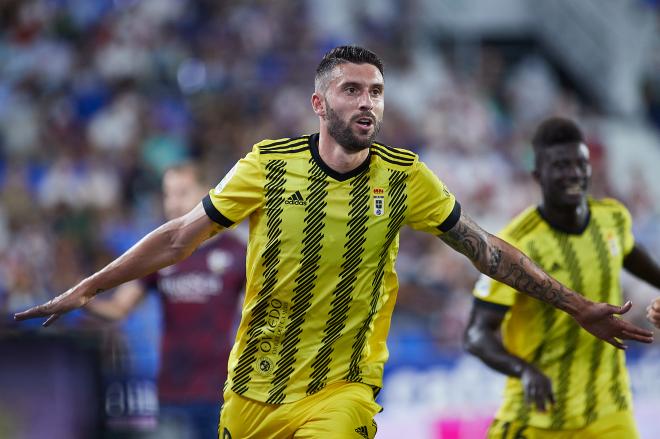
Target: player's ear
(318,104)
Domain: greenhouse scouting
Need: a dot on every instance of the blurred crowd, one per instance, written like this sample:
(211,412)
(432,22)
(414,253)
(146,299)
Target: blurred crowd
(97,98)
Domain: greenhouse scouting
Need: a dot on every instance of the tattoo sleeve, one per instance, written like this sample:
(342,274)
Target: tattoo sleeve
(503,262)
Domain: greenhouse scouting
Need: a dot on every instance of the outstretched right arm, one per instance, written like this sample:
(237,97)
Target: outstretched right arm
(167,245)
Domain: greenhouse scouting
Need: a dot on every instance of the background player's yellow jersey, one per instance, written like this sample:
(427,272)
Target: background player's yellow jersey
(588,375)
(321,284)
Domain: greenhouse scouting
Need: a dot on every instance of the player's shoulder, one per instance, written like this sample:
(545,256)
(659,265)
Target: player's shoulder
(390,156)
(285,146)
(607,204)
(522,225)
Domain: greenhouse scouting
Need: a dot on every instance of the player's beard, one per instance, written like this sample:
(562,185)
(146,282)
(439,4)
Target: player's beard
(342,133)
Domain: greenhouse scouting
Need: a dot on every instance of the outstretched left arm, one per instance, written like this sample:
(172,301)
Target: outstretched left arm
(504,263)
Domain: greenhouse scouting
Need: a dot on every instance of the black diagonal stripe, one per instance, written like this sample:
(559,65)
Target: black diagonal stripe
(398,207)
(283,142)
(572,334)
(287,151)
(548,315)
(620,224)
(389,158)
(522,224)
(616,386)
(284,148)
(274,199)
(343,293)
(305,280)
(598,346)
(526,227)
(396,153)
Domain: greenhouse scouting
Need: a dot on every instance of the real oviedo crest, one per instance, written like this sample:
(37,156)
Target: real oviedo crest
(379,201)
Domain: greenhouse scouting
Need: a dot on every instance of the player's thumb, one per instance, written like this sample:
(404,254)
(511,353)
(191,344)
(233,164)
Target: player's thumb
(623,308)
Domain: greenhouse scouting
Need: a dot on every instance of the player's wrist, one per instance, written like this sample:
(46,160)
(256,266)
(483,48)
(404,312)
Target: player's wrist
(89,287)
(575,304)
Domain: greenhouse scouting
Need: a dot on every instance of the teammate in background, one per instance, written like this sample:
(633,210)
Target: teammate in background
(653,312)
(200,299)
(563,382)
(325,212)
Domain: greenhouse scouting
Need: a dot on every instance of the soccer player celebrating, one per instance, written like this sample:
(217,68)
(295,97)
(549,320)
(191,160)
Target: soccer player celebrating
(325,212)
(200,299)
(563,382)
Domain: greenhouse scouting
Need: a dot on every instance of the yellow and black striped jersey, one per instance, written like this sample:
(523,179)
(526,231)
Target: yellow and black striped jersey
(589,377)
(321,284)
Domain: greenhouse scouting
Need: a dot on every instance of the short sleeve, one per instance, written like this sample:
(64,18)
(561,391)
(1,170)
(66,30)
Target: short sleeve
(433,208)
(238,194)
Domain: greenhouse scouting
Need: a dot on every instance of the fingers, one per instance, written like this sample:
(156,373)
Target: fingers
(36,311)
(628,331)
(616,343)
(539,397)
(540,401)
(653,313)
(538,390)
(623,309)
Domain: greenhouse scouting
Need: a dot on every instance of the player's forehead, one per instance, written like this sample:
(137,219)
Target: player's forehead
(352,73)
(565,151)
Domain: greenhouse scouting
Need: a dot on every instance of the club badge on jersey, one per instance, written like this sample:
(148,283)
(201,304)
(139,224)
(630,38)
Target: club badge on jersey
(613,243)
(379,201)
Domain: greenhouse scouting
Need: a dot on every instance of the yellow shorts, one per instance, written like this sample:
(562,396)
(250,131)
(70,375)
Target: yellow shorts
(340,410)
(615,426)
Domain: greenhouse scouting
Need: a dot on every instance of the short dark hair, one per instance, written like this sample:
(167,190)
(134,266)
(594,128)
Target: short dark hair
(556,131)
(346,54)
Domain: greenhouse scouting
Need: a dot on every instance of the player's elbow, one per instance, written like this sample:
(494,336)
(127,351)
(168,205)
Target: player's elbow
(178,242)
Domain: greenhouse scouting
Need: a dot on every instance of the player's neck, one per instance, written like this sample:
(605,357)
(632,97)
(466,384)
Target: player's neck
(567,219)
(337,157)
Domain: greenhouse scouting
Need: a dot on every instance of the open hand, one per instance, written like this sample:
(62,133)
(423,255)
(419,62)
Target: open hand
(73,298)
(538,387)
(600,320)
(653,312)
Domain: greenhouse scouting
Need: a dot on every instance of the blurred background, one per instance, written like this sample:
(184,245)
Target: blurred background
(98,97)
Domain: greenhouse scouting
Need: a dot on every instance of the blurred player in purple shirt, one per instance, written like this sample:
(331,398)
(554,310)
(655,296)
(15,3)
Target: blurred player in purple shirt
(200,299)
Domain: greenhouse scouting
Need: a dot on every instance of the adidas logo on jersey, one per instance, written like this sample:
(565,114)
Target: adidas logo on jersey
(296,198)
(362,431)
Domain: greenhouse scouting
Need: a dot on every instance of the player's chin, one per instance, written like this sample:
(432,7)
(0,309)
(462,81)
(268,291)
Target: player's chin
(572,200)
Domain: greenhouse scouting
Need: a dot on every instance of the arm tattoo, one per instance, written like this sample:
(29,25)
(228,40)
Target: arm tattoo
(504,263)
(467,238)
(494,261)
(520,278)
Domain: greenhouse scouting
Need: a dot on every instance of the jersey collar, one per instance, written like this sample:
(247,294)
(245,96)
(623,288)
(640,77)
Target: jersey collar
(563,229)
(339,176)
